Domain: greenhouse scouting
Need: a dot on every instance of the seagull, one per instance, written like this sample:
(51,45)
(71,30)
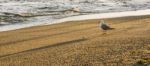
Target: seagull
(104,26)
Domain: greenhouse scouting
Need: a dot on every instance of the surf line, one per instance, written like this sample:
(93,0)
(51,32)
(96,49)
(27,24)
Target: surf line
(78,18)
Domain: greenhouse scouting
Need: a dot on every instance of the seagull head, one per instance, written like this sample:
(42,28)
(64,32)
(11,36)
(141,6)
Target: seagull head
(102,22)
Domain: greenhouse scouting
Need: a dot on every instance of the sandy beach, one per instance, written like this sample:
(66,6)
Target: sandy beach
(78,43)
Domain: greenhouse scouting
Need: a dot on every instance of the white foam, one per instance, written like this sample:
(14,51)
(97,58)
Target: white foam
(77,18)
(103,15)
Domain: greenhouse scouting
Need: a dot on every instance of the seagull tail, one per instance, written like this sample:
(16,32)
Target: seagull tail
(111,28)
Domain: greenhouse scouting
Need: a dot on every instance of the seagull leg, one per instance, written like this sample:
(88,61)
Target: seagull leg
(104,32)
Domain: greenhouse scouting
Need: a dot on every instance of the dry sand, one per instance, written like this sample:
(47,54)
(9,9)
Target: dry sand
(78,43)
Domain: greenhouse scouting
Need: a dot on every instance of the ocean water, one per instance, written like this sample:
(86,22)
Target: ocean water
(25,12)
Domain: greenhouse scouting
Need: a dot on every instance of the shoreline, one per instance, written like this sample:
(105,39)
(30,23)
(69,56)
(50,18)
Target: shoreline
(79,18)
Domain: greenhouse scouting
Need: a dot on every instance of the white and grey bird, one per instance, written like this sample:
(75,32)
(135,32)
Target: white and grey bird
(104,26)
